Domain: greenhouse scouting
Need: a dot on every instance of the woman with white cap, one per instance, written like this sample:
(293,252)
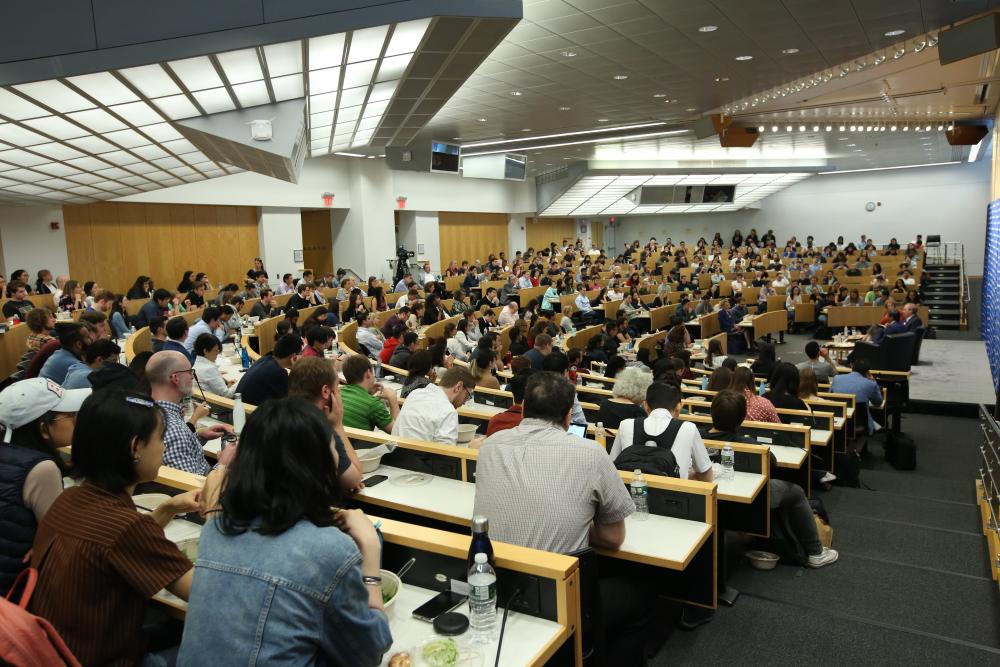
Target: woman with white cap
(37,417)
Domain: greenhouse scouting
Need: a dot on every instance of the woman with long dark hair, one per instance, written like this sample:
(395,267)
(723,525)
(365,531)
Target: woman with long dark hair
(185,284)
(281,570)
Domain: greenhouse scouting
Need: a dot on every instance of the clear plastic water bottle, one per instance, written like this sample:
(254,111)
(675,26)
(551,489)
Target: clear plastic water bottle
(600,435)
(482,600)
(728,462)
(640,495)
(378,369)
(239,414)
(704,383)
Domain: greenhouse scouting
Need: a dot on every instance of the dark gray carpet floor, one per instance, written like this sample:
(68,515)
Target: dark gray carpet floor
(912,584)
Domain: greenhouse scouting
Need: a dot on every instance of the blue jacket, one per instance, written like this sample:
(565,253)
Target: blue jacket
(865,390)
(171,345)
(294,598)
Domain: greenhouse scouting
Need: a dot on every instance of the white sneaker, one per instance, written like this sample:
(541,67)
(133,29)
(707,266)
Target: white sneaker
(827,478)
(828,557)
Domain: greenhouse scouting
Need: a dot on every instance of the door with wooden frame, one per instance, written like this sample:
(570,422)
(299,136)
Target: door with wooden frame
(317,242)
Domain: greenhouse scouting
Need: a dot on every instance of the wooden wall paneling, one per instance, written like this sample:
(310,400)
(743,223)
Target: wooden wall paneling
(182,237)
(232,264)
(108,269)
(541,232)
(471,236)
(249,237)
(317,241)
(209,255)
(597,234)
(162,267)
(79,243)
(135,243)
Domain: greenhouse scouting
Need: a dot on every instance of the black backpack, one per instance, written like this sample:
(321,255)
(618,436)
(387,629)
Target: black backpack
(848,468)
(657,460)
(900,451)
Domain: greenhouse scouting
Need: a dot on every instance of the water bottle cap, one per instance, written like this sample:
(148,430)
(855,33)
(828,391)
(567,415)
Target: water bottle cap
(637,471)
(480,524)
(480,558)
(237,396)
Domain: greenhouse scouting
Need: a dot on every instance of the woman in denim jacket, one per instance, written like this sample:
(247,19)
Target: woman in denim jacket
(279,576)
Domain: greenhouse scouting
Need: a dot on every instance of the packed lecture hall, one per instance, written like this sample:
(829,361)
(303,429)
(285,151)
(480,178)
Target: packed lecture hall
(499,332)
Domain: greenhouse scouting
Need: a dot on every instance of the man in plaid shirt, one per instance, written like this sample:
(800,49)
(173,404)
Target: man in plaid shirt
(171,378)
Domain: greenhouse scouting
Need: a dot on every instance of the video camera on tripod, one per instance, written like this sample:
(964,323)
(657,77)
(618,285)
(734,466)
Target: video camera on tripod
(402,254)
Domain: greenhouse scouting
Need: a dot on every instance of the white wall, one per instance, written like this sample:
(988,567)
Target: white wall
(280,233)
(27,242)
(517,235)
(419,231)
(447,192)
(948,200)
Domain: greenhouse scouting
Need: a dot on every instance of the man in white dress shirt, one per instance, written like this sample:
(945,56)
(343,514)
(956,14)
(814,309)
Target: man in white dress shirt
(430,413)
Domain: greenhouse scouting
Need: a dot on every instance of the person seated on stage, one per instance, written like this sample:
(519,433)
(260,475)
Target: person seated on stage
(860,383)
(431,412)
(908,321)
(367,404)
(538,464)
(729,410)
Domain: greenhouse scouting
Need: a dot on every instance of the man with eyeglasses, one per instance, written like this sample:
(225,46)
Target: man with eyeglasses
(171,379)
(430,413)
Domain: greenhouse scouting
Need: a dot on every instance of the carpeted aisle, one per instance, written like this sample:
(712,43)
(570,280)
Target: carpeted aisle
(912,585)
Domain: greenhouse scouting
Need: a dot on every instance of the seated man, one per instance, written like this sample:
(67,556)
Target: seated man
(538,465)
(170,378)
(368,335)
(542,348)
(430,413)
(97,354)
(74,339)
(316,381)
(908,321)
(663,407)
(318,340)
(557,362)
(268,377)
(266,307)
(213,321)
(367,404)
(397,318)
(155,307)
(177,335)
(819,361)
(729,410)
(860,383)
(404,350)
(513,415)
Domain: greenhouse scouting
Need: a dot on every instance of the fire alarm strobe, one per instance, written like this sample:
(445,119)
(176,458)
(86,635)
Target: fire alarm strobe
(260,130)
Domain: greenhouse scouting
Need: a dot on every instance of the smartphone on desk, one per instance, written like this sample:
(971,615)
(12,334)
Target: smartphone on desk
(441,603)
(375,480)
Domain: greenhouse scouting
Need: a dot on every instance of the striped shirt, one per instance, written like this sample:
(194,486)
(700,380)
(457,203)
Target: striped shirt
(100,561)
(362,410)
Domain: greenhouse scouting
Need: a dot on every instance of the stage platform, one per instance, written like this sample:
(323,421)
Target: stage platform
(952,371)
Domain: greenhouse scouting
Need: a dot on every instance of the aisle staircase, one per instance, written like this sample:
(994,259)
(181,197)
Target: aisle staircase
(943,295)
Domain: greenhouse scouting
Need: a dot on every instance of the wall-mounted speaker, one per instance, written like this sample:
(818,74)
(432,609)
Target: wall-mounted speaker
(966,135)
(969,39)
(738,137)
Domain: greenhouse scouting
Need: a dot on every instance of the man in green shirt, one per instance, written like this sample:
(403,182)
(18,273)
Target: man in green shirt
(367,404)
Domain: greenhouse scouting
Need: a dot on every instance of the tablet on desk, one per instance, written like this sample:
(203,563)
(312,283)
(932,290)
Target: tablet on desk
(578,429)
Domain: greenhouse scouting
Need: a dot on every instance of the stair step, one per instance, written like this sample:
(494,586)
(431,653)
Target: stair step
(935,312)
(945,322)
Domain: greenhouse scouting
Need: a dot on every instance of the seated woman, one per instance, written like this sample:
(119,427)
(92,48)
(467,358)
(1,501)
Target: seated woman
(766,360)
(759,409)
(38,419)
(98,558)
(721,378)
(784,390)
(274,550)
(421,372)
(714,355)
(518,344)
(482,369)
(207,348)
(628,394)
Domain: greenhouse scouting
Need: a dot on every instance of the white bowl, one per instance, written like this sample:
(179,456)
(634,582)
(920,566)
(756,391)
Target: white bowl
(763,560)
(369,463)
(466,432)
(390,584)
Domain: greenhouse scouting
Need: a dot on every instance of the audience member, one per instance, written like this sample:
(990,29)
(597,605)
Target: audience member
(158,333)
(40,322)
(318,340)
(155,307)
(268,378)
(513,415)
(759,409)
(865,389)
(430,413)
(557,362)
(74,337)
(95,356)
(368,335)
(818,361)
(421,372)
(206,349)
(18,306)
(367,404)
(404,350)
(177,335)
(627,395)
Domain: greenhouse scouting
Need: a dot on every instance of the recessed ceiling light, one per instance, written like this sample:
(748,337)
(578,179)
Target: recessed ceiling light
(789,52)
(620,77)
(568,54)
(564,108)
(481,120)
(741,58)
(894,33)
(691,109)
(708,28)
(852,145)
(674,101)
(721,79)
(602,120)
(774,128)
(659,95)
(516,93)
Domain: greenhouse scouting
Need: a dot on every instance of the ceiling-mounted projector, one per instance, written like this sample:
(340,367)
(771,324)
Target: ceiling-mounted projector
(260,130)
